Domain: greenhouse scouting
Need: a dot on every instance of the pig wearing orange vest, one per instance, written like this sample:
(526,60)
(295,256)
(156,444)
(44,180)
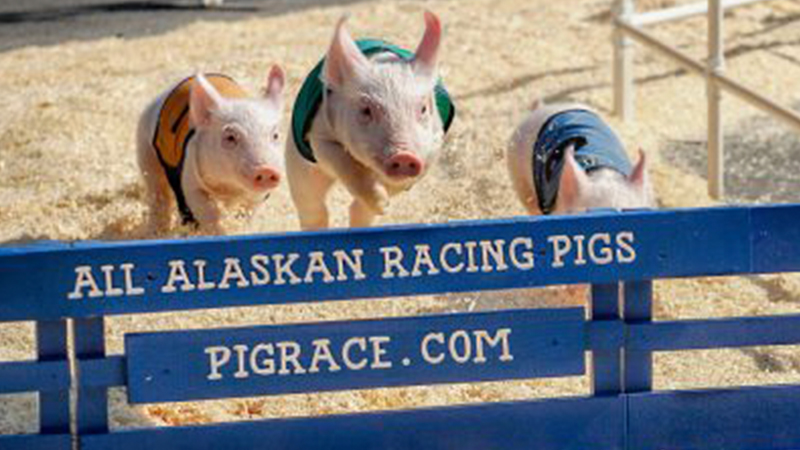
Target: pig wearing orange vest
(206,143)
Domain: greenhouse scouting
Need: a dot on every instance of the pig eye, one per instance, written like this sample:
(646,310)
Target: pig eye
(276,136)
(229,139)
(366,112)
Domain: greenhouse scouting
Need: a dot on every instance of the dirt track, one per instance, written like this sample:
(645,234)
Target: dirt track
(67,166)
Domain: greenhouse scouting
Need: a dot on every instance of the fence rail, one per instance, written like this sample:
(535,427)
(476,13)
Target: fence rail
(628,26)
(618,253)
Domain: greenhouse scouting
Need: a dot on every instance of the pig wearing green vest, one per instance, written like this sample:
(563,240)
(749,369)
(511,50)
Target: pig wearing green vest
(371,116)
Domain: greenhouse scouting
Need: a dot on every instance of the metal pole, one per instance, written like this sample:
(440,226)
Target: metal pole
(733,87)
(682,12)
(624,95)
(716,64)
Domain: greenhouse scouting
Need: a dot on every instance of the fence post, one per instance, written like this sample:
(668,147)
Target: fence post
(624,94)
(638,364)
(606,364)
(92,402)
(54,406)
(716,64)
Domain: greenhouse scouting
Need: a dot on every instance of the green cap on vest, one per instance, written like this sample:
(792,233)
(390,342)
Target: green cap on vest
(310,97)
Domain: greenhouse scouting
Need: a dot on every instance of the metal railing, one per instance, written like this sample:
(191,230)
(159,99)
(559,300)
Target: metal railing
(628,28)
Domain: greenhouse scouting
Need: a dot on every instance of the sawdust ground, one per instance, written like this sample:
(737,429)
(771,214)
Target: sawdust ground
(67,167)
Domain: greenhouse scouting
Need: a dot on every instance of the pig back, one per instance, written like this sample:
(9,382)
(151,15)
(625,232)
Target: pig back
(173,129)
(596,147)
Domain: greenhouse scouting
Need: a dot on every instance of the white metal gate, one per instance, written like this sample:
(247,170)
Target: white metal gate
(628,26)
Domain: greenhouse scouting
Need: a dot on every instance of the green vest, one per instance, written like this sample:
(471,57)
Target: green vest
(310,97)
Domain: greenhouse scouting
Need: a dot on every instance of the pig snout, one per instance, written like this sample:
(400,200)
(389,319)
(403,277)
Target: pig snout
(265,177)
(404,165)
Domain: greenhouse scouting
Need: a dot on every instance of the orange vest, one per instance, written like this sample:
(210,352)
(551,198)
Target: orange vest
(173,131)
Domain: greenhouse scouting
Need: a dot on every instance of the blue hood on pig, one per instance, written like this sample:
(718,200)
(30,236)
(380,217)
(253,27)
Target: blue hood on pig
(310,97)
(596,147)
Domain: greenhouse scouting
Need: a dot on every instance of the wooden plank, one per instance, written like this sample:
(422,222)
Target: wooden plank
(562,424)
(606,363)
(737,419)
(205,364)
(36,442)
(714,333)
(29,376)
(110,371)
(378,262)
(92,402)
(638,309)
(776,239)
(51,342)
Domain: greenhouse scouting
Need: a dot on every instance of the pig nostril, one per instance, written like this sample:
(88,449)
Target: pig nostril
(259,178)
(274,178)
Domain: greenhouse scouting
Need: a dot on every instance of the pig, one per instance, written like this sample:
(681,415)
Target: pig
(564,159)
(206,142)
(371,116)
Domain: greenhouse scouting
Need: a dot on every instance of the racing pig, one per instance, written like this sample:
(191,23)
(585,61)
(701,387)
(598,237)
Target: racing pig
(206,142)
(371,116)
(563,159)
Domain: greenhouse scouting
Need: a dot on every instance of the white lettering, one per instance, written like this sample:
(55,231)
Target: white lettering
(378,351)
(177,273)
(317,265)
(260,275)
(561,247)
(606,255)
(362,344)
(527,261)
(84,279)
(282,268)
(233,271)
(393,260)
(423,258)
(625,253)
(500,337)
(354,263)
(426,354)
(202,283)
(322,352)
(496,253)
(217,357)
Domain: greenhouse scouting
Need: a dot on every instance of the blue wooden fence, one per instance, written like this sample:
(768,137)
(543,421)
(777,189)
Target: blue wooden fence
(619,254)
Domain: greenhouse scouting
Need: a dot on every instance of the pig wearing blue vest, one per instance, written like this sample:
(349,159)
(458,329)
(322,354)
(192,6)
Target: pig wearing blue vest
(563,159)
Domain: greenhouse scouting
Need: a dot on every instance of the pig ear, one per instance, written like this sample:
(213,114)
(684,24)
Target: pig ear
(638,176)
(428,50)
(203,101)
(273,90)
(344,60)
(573,181)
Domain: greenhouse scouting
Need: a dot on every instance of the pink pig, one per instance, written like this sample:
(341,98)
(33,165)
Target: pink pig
(564,159)
(373,117)
(204,143)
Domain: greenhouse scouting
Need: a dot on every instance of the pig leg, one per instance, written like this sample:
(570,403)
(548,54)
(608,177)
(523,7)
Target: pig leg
(360,214)
(356,178)
(519,158)
(203,207)
(158,193)
(308,186)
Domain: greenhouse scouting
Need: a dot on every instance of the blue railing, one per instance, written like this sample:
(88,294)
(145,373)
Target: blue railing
(618,254)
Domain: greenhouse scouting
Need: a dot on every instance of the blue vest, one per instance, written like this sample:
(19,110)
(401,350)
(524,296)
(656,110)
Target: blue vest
(596,147)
